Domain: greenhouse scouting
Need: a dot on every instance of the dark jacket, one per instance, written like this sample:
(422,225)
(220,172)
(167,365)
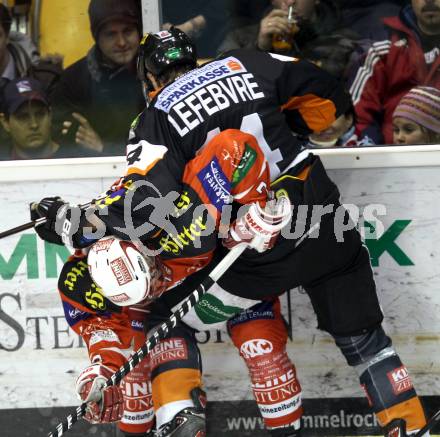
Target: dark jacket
(392,67)
(109,98)
(365,16)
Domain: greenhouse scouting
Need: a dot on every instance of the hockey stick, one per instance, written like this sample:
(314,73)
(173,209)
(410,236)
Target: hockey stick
(21,228)
(160,333)
(37,222)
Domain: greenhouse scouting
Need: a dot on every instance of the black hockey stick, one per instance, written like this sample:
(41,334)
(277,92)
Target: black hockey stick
(160,332)
(34,223)
(21,228)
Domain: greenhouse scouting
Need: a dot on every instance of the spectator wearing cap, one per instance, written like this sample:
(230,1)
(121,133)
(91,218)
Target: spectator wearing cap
(416,119)
(98,96)
(407,57)
(27,120)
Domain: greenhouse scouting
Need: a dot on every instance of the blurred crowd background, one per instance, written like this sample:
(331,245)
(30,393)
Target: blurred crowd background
(68,83)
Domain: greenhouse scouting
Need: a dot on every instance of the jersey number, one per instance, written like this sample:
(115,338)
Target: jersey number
(252,124)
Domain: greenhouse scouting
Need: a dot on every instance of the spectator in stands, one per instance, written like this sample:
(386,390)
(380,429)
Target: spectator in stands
(17,53)
(416,119)
(245,12)
(28,121)
(313,18)
(407,58)
(97,98)
(340,53)
(365,16)
(204,21)
(19,57)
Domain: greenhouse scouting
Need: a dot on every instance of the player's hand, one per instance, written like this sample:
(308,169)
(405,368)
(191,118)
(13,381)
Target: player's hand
(85,135)
(47,208)
(103,405)
(259,228)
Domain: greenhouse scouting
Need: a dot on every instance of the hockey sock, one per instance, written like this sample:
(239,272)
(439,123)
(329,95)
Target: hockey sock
(390,392)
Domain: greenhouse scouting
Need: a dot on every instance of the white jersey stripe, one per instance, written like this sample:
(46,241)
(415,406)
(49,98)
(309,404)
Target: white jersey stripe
(373,55)
(364,73)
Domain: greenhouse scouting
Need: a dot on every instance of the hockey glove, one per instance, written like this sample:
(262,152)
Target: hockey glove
(61,223)
(260,228)
(103,405)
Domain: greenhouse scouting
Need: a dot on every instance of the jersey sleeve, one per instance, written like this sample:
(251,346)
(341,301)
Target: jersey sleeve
(144,200)
(368,91)
(104,327)
(311,98)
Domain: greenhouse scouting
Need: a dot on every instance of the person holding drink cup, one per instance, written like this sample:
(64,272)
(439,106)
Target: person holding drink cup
(292,23)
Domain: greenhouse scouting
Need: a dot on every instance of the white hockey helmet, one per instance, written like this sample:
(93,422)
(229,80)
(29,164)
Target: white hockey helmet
(125,276)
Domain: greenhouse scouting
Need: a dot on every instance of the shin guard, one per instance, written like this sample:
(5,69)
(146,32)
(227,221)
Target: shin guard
(138,414)
(260,335)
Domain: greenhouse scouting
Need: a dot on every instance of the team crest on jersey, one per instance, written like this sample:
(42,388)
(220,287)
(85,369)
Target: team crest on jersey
(215,184)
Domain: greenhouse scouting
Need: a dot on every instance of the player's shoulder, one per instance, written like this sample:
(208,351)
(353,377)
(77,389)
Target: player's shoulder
(258,62)
(77,287)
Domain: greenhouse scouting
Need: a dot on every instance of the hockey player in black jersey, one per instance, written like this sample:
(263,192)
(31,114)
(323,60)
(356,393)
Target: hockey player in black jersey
(265,96)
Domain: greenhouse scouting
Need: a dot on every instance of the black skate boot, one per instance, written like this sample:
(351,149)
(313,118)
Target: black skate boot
(188,422)
(396,428)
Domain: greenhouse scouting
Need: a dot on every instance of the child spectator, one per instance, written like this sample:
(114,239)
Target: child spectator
(27,119)
(416,119)
(98,97)
(407,58)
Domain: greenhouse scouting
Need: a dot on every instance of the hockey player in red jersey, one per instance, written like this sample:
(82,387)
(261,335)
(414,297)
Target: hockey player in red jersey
(175,383)
(170,158)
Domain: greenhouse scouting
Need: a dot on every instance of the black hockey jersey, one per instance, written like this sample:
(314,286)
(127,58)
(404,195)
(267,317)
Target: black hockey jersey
(265,95)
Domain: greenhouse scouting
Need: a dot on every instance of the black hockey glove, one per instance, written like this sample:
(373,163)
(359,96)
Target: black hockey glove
(62,220)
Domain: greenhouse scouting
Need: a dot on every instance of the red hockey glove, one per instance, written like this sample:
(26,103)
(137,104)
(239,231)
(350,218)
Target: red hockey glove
(104,405)
(260,228)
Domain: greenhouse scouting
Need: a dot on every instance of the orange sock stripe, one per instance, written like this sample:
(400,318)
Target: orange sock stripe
(174,385)
(411,411)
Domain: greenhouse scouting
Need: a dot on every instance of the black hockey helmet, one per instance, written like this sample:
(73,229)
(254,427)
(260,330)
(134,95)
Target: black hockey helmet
(163,50)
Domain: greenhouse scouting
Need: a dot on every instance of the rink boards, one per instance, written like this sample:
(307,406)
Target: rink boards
(40,357)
